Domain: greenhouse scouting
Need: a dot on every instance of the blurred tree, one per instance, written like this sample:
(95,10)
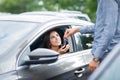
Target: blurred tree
(90,8)
(85,6)
(18,6)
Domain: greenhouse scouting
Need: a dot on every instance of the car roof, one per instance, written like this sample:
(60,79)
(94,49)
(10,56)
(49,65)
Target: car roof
(49,13)
(70,14)
(38,18)
(29,18)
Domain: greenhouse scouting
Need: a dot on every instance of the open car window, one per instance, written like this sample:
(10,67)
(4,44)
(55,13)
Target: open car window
(39,42)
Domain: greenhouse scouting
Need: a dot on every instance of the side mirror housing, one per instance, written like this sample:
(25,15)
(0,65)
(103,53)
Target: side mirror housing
(42,56)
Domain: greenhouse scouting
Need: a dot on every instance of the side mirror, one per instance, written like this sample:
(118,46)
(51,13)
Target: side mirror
(42,56)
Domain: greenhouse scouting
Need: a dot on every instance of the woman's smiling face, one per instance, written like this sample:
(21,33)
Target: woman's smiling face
(55,39)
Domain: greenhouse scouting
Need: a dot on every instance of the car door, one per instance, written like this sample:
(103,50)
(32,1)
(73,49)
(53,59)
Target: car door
(69,66)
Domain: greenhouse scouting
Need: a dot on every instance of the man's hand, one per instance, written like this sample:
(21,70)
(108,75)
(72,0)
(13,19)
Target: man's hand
(93,65)
(70,32)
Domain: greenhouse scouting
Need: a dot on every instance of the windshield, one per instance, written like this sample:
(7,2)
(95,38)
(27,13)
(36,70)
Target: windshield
(11,32)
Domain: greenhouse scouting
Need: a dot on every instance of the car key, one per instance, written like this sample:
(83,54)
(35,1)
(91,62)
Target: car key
(65,42)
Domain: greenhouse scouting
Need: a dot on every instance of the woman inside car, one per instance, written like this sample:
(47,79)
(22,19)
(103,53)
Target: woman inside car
(53,41)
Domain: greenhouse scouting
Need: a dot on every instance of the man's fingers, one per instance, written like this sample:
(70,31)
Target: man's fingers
(91,68)
(66,34)
(93,65)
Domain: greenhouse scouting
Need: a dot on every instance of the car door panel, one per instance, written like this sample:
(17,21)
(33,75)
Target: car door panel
(83,74)
(12,75)
(65,63)
(80,73)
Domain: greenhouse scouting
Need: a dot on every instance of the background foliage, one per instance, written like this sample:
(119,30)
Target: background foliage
(19,6)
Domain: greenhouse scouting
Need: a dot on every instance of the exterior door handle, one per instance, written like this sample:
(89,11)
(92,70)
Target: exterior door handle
(79,72)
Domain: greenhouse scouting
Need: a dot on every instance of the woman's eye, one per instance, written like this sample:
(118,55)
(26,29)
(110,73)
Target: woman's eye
(57,35)
(52,37)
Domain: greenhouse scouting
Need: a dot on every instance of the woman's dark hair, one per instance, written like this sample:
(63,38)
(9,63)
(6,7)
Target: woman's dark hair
(46,42)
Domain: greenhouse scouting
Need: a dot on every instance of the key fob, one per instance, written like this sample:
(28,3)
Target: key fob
(65,42)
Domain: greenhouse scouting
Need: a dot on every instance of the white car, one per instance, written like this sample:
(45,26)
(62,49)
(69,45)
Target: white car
(23,58)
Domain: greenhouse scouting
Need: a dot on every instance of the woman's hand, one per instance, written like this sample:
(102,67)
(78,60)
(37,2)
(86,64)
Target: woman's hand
(64,49)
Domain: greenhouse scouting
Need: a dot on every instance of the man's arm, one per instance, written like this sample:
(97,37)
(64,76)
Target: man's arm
(87,29)
(110,13)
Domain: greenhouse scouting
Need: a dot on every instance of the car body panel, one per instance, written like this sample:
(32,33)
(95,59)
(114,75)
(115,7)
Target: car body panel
(9,76)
